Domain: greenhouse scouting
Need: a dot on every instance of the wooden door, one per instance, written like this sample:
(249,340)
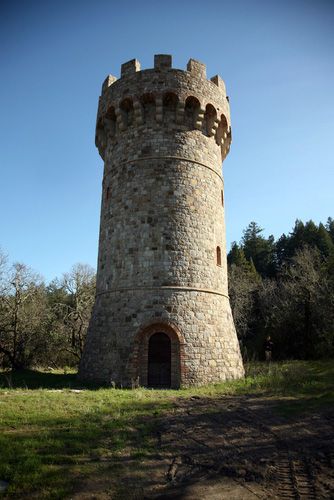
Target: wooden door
(159,361)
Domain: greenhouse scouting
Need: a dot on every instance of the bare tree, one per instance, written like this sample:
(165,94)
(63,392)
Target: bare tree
(76,307)
(298,309)
(22,301)
(243,285)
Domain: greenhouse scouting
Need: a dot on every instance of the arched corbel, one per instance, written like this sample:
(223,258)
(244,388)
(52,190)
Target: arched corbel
(179,118)
(120,119)
(200,118)
(159,109)
(214,128)
(138,112)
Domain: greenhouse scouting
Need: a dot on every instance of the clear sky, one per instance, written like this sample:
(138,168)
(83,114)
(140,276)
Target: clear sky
(276,57)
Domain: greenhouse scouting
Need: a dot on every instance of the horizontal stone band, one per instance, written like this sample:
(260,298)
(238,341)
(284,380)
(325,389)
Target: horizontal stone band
(181,158)
(178,288)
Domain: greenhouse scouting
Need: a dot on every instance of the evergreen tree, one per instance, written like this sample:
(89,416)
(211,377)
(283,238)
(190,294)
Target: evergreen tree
(237,258)
(259,249)
(330,228)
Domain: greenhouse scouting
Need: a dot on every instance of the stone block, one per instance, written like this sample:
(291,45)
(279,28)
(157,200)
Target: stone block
(217,80)
(196,68)
(107,82)
(162,61)
(130,67)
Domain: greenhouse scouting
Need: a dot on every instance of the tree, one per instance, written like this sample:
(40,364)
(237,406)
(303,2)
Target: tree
(73,299)
(3,271)
(259,249)
(294,304)
(236,255)
(330,228)
(300,314)
(305,234)
(243,283)
(23,315)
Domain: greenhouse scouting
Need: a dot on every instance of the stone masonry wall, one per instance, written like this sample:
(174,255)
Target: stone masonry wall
(163,134)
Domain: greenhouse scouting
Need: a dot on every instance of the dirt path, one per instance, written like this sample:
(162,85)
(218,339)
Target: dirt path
(227,448)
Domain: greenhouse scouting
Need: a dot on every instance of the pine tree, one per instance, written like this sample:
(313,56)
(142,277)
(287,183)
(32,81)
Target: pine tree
(259,249)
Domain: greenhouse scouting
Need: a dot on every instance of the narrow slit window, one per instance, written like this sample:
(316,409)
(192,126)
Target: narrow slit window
(222,195)
(107,193)
(219,256)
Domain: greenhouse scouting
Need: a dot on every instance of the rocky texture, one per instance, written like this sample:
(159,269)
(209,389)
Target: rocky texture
(162,134)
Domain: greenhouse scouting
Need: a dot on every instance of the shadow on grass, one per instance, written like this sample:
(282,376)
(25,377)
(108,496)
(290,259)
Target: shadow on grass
(50,450)
(34,379)
(113,442)
(127,449)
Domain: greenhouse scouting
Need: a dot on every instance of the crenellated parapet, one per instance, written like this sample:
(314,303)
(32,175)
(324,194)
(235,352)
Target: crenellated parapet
(163,98)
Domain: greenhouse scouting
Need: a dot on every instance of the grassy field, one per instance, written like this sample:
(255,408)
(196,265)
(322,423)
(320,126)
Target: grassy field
(53,431)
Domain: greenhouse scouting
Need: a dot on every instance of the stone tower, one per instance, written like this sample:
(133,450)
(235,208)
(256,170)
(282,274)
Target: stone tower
(162,315)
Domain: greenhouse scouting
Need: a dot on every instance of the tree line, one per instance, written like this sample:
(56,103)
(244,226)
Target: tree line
(284,289)
(43,325)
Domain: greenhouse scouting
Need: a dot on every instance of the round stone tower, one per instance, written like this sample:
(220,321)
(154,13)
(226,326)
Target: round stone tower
(162,316)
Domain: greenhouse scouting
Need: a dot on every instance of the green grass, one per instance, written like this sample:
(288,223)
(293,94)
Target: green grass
(301,385)
(51,436)
(44,434)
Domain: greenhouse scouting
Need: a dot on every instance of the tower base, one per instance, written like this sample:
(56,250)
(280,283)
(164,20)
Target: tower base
(166,337)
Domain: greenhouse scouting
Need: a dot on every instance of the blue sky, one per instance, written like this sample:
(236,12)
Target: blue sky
(276,57)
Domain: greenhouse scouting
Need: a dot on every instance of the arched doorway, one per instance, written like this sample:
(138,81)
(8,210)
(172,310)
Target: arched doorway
(144,357)
(159,361)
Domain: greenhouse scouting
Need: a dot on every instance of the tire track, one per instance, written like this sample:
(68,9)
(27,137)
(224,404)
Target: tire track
(245,444)
(295,475)
(295,479)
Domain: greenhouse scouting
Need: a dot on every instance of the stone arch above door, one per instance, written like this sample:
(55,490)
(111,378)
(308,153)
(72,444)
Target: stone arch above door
(140,353)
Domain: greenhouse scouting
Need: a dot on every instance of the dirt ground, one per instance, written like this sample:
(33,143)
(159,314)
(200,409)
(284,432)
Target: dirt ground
(225,448)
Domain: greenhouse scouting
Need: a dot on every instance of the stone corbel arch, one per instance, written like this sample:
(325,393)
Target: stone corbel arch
(139,365)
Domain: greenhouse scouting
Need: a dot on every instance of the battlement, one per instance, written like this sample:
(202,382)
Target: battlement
(163,97)
(163,62)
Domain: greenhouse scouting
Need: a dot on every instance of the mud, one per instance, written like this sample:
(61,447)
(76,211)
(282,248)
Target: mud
(228,448)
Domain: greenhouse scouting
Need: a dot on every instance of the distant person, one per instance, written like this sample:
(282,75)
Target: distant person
(268,348)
